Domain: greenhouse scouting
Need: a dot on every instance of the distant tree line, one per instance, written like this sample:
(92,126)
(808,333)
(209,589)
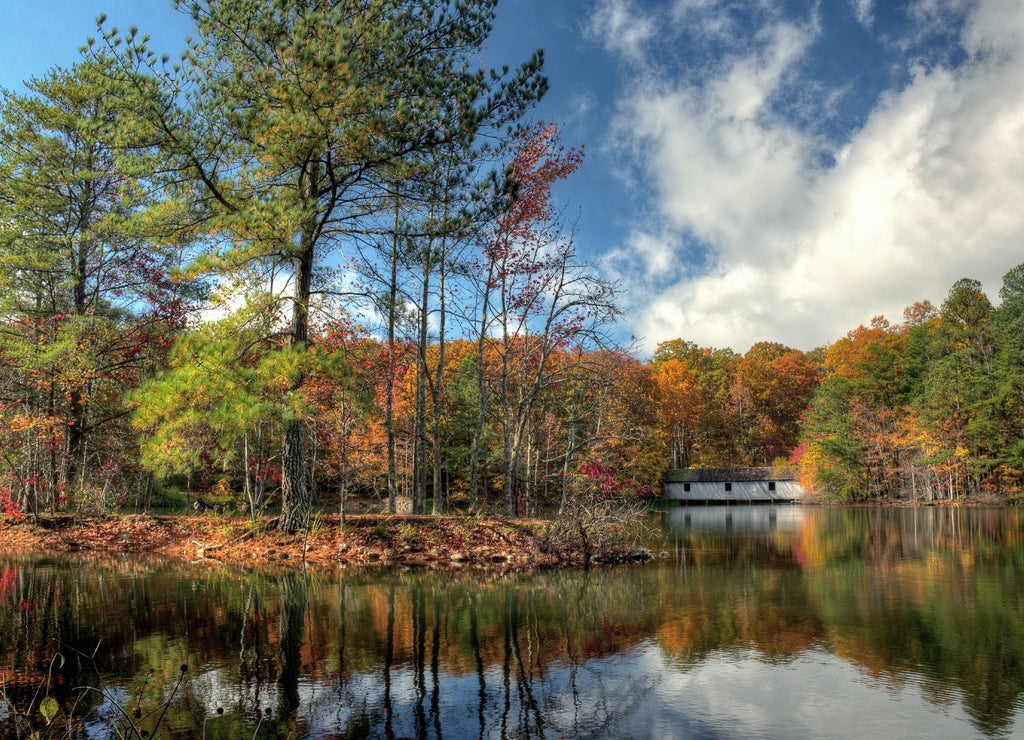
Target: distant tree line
(929,409)
(932,408)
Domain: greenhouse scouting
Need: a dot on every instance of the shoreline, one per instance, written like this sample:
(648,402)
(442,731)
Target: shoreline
(370,541)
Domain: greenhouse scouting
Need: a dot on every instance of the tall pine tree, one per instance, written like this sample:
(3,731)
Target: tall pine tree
(292,125)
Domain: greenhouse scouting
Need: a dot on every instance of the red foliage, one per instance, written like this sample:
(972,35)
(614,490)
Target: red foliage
(798,452)
(606,478)
(10,507)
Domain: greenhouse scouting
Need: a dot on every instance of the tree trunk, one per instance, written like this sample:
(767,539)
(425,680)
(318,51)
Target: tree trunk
(296,477)
(440,494)
(422,376)
(295,485)
(475,461)
(389,391)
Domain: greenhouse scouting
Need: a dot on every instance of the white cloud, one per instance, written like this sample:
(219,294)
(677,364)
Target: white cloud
(927,191)
(581,105)
(655,254)
(996,27)
(622,27)
(711,152)
(704,19)
(863,11)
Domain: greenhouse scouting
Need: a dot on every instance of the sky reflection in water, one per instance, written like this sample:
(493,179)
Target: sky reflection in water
(790,622)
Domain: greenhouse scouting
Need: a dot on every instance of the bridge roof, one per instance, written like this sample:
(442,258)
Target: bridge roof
(725,475)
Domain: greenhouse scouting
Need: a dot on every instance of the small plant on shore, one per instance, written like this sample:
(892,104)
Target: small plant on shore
(381,531)
(317,525)
(408,533)
(597,525)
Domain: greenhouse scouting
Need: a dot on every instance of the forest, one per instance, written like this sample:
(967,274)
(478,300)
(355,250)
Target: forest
(927,409)
(294,267)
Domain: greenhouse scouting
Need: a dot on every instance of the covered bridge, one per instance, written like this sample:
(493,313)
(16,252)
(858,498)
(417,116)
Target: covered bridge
(731,485)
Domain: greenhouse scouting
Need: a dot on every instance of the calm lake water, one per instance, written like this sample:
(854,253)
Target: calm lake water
(766,622)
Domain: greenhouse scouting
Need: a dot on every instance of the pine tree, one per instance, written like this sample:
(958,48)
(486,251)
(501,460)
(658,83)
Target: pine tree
(292,126)
(85,285)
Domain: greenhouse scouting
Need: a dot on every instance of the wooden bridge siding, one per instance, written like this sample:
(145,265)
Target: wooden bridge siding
(707,491)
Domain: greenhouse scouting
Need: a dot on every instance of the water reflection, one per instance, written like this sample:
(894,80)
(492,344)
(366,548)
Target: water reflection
(769,621)
(682,521)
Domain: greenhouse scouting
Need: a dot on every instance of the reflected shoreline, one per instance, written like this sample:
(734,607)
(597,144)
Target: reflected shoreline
(789,614)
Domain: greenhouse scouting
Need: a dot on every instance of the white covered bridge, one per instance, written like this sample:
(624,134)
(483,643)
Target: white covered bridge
(731,485)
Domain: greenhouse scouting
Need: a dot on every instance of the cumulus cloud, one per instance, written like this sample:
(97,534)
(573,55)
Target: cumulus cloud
(800,247)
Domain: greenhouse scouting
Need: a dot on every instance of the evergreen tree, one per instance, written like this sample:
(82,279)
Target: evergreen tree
(957,401)
(293,126)
(85,287)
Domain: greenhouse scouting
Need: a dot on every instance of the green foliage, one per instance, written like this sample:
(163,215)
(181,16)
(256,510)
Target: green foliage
(928,409)
(677,349)
(48,707)
(830,431)
(291,126)
(222,381)
(84,287)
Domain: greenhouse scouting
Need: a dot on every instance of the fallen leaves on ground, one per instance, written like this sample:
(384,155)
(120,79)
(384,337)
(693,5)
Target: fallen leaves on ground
(365,540)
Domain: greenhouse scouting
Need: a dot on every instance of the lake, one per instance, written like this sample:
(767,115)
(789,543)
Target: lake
(758,621)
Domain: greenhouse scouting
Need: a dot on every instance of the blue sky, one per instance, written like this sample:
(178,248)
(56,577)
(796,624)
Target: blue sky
(778,170)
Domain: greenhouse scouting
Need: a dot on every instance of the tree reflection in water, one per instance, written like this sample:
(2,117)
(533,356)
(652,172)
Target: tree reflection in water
(294,590)
(909,611)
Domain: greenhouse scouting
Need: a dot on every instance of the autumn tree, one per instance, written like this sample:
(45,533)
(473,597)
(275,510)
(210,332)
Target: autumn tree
(610,414)
(292,125)
(536,298)
(712,425)
(925,409)
(682,411)
(345,426)
(85,286)
(857,430)
(510,246)
(771,388)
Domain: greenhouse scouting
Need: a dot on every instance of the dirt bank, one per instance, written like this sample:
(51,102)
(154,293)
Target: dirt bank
(366,540)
